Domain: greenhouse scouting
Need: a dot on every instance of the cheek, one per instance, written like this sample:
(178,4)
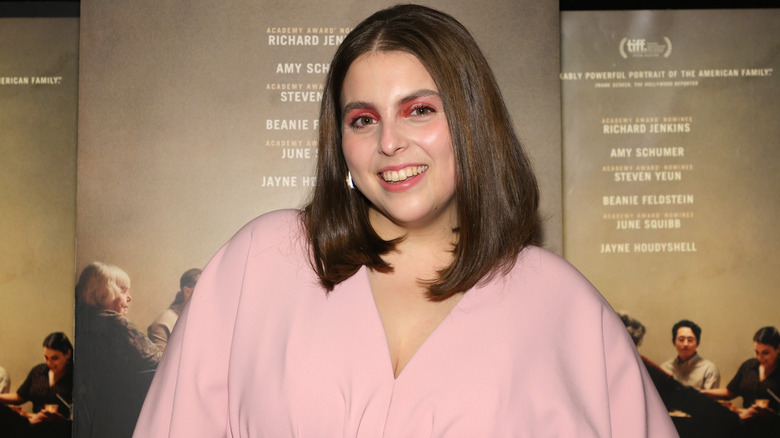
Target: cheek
(441,149)
(115,305)
(356,153)
(438,138)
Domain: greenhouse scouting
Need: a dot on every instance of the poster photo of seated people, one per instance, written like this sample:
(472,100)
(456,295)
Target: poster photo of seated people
(38,121)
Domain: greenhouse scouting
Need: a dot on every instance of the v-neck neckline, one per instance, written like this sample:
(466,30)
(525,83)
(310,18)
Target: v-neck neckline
(378,325)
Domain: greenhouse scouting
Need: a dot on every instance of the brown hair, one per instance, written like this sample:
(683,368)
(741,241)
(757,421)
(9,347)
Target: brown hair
(768,336)
(497,194)
(58,341)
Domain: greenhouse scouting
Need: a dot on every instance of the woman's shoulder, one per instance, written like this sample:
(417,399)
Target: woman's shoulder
(542,278)
(91,315)
(39,369)
(271,229)
(536,263)
(750,364)
(96,320)
(274,220)
(264,244)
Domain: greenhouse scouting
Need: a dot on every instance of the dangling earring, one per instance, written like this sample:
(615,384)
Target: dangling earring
(350,181)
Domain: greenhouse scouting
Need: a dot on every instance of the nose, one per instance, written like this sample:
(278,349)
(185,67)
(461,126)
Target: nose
(129,297)
(391,139)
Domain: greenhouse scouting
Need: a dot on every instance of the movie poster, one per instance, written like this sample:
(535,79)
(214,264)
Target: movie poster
(38,121)
(196,118)
(671,164)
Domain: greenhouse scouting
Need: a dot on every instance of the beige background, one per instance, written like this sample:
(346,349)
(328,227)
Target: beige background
(729,286)
(173,97)
(37,188)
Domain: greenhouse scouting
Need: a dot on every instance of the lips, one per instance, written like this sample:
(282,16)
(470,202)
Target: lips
(401,175)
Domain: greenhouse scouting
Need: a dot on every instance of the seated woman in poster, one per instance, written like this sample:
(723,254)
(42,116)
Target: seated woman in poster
(407,299)
(115,361)
(49,386)
(758,383)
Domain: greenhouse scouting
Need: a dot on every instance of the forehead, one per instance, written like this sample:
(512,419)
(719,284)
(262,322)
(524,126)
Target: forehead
(384,74)
(685,331)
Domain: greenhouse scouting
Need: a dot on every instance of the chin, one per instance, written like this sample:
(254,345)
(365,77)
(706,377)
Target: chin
(413,214)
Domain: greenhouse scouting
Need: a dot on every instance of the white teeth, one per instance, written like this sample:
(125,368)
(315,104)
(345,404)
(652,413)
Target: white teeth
(403,174)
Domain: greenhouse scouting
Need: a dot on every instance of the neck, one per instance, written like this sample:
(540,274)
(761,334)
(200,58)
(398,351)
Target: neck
(422,251)
(437,231)
(55,376)
(689,358)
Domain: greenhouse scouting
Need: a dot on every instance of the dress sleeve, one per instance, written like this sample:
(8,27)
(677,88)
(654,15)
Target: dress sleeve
(635,408)
(189,393)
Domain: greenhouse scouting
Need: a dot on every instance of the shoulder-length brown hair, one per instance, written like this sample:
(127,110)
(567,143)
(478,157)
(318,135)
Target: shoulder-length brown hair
(497,194)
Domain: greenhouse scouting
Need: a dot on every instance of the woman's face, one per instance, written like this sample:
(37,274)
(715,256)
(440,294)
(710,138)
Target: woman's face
(396,140)
(766,354)
(55,360)
(121,302)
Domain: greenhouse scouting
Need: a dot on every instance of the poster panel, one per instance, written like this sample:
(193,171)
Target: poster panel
(670,152)
(38,103)
(196,118)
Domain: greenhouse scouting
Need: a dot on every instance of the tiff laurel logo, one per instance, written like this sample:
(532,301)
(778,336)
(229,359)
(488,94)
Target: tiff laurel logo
(642,48)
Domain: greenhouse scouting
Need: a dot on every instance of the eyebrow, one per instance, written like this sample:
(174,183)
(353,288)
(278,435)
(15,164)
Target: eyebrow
(424,92)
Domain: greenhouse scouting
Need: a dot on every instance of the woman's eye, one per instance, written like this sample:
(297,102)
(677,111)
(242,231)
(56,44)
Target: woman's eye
(421,111)
(362,121)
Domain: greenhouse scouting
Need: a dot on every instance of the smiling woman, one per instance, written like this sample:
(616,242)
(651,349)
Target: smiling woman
(407,298)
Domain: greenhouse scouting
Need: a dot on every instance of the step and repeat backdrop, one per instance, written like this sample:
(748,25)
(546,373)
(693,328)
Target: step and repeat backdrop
(653,134)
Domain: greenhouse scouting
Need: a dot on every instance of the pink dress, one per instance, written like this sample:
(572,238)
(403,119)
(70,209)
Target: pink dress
(261,351)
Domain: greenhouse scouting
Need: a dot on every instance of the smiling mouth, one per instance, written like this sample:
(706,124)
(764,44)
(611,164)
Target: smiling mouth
(398,176)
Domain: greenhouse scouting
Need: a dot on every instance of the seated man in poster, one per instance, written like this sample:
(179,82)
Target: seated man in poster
(688,367)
